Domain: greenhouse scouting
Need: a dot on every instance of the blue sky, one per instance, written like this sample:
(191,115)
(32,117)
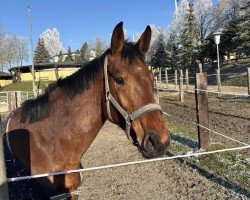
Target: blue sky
(79,21)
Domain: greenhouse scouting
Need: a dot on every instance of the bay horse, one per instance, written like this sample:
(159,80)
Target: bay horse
(54,130)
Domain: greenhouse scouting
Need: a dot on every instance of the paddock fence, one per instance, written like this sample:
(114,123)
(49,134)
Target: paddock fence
(183,82)
(200,89)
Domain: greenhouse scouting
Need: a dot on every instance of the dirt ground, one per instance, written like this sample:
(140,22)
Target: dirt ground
(229,116)
(173,179)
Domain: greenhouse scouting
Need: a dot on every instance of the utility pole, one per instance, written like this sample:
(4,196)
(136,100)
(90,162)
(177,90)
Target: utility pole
(31,54)
(176,7)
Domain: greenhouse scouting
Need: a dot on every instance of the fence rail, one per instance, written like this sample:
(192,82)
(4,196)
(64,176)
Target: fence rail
(19,97)
(165,80)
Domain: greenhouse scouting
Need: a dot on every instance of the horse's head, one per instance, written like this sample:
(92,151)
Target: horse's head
(131,85)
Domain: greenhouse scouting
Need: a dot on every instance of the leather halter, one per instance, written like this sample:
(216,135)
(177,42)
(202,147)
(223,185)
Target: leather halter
(129,117)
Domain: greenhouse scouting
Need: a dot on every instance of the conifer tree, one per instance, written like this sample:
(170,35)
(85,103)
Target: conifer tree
(60,57)
(242,36)
(77,55)
(84,52)
(41,53)
(189,41)
(172,52)
(69,56)
(159,59)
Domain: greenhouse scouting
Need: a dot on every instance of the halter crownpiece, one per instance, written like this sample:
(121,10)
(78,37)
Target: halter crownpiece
(129,117)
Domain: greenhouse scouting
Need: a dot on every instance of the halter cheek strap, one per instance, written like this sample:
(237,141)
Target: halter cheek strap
(129,117)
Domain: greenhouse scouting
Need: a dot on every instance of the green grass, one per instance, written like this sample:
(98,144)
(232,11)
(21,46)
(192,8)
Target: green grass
(230,166)
(25,86)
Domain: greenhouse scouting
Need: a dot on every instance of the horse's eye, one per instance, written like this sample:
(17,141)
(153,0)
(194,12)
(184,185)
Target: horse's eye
(119,80)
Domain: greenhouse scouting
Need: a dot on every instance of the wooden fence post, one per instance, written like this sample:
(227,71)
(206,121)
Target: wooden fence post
(248,74)
(160,78)
(3,178)
(201,97)
(200,67)
(156,95)
(12,100)
(18,98)
(56,72)
(166,76)
(187,79)
(175,78)
(181,86)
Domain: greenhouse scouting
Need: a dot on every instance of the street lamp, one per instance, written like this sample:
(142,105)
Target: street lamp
(217,42)
(31,54)
(176,7)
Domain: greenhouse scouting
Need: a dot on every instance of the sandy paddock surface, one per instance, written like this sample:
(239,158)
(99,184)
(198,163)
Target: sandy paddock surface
(172,179)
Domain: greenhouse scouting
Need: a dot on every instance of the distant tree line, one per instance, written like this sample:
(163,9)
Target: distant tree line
(13,49)
(189,39)
(87,52)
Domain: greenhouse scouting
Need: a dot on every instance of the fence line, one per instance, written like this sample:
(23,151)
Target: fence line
(209,91)
(191,122)
(246,146)
(229,93)
(125,164)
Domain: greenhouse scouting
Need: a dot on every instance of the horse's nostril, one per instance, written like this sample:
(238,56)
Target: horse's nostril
(151,143)
(152,139)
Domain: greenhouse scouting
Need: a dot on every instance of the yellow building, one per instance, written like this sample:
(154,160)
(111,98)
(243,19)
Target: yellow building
(5,79)
(45,71)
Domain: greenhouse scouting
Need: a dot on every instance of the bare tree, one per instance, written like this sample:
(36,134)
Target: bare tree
(51,38)
(22,52)
(225,12)
(13,49)
(97,46)
(10,49)
(2,47)
(203,10)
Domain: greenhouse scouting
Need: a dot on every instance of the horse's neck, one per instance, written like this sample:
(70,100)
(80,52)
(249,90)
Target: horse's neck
(86,115)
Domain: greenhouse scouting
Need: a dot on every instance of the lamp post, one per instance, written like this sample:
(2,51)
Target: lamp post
(217,42)
(31,54)
(176,7)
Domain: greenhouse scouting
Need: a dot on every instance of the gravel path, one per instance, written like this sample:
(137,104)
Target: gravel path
(172,179)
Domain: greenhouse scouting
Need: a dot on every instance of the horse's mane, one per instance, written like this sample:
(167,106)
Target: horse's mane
(37,109)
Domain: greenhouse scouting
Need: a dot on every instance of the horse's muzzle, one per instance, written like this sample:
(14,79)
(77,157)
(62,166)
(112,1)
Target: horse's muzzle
(151,147)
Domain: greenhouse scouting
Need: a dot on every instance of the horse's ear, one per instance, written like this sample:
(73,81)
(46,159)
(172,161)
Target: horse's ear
(144,41)
(117,40)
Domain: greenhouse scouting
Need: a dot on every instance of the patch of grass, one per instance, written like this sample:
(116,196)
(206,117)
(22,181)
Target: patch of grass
(229,166)
(25,86)
(180,129)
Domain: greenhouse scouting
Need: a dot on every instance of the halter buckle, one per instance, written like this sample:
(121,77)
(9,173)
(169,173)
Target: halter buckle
(107,94)
(128,119)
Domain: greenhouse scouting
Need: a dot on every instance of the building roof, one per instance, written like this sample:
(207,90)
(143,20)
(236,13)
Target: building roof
(4,75)
(49,65)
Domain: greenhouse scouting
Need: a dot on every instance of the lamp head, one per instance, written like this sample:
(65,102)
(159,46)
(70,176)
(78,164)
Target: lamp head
(217,37)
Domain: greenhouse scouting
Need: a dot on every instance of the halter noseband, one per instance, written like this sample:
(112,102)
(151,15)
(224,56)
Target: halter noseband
(129,117)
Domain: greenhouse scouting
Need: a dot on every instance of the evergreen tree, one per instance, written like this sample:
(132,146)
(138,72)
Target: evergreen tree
(60,57)
(84,52)
(189,41)
(69,56)
(172,52)
(41,53)
(242,36)
(159,59)
(208,52)
(77,55)
(227,45)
